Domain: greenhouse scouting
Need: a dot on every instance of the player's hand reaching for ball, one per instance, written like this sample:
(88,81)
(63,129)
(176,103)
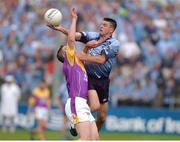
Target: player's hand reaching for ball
(73,13)
(57,28)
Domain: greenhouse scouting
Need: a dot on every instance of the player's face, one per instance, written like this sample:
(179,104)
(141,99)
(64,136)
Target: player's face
(105,28)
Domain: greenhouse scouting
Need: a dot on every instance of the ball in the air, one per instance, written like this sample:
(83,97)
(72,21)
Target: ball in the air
(53,16)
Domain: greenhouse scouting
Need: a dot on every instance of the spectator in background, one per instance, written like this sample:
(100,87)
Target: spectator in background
(149,88)
(125,88)
(40,102)
(169,90)
(10,95)
(136,94)
(151,31)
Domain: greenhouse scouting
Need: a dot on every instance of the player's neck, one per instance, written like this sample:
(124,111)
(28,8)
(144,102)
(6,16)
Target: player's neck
(104,37)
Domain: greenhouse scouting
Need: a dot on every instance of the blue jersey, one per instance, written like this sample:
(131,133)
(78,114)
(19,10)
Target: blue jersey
(109,48)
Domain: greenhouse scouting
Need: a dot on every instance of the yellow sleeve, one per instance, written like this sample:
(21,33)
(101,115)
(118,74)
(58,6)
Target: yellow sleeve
(32,100)
(70,53)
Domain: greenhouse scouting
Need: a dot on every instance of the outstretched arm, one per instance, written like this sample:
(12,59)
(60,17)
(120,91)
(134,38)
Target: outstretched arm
(72,31)
(65,31)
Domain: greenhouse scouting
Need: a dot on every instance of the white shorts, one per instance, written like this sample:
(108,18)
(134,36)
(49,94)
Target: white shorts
(41,113)
(82,110)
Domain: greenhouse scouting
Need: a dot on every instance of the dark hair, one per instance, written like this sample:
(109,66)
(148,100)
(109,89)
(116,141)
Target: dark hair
(59,54)
(112,21)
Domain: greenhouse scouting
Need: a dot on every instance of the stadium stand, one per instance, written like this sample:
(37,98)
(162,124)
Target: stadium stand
(147,72)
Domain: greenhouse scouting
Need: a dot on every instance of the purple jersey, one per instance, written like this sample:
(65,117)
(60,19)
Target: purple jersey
(40,97)
(76,77)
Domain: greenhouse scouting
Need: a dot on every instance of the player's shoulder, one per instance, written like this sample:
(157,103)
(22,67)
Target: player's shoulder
(114,41)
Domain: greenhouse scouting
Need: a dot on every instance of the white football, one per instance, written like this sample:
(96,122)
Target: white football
(53,16)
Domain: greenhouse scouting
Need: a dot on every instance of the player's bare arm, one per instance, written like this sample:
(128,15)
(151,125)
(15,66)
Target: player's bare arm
(65,31)
(90,44)
(94,43)
(60,28)
(72,31)
(98,59)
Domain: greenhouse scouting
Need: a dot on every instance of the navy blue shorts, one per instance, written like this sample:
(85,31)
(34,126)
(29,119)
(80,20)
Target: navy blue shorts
(101,86)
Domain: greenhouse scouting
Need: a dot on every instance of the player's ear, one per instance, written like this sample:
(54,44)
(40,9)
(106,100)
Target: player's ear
(112,30)
(60,55)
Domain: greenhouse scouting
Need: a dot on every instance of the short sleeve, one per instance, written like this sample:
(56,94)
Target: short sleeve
(88,36)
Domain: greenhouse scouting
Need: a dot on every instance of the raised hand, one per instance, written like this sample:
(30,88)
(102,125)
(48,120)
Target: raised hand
(73,13)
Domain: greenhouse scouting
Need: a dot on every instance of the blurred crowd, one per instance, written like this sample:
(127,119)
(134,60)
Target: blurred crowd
(147,71)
